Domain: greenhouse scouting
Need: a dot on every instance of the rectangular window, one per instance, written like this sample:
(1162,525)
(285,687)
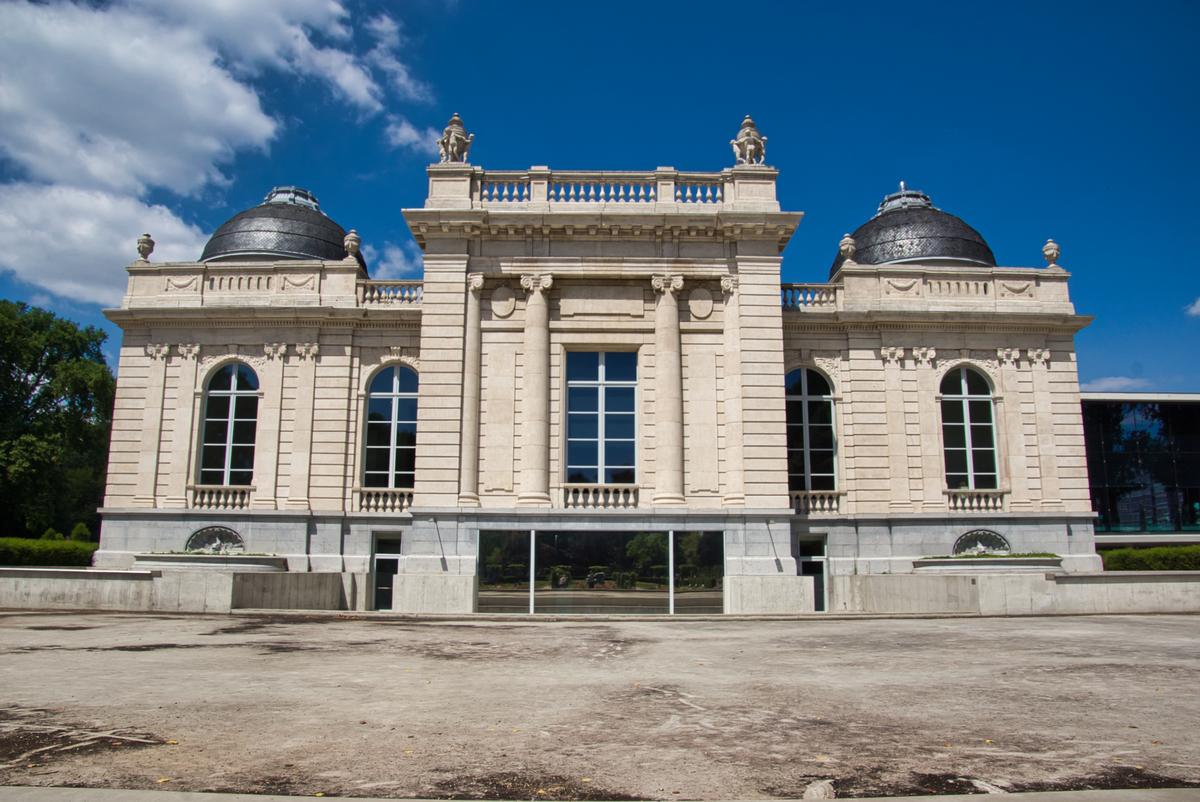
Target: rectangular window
(601,417)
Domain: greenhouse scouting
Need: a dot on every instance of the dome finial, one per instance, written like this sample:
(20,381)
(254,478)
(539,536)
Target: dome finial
(847,247)
(902,187)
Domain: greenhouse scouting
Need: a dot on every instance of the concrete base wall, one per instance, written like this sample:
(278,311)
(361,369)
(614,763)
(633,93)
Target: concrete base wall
(287,592)
(434,593)
(1018,594)
(769,594)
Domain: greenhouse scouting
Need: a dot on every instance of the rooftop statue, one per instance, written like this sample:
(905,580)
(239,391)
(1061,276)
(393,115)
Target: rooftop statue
(750,147)
(455,143)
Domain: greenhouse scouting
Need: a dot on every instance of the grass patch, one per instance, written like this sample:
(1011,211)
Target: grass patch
(22,551)
(1154,558)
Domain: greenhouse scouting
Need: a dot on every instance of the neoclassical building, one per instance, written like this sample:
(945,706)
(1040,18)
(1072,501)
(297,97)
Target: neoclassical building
(599,398)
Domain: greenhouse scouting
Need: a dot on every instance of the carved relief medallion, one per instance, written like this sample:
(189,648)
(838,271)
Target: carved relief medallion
(700,303)
(504,301)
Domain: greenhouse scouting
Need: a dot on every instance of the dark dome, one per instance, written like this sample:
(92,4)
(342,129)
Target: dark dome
(908,228)
(288,224)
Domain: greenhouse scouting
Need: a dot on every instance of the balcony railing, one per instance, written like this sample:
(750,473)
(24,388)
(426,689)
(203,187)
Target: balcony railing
(976,500)
(381,499)
(600,497)
(810,297)
(574,188)
(376,292)
(817,502)
(220,497)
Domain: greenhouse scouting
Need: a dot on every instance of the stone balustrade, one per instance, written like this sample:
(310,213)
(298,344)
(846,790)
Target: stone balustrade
(976,500)
(817,502)
(600,497)
(383,499)
(375,292)
(809,297)
(220,497)
(603,188)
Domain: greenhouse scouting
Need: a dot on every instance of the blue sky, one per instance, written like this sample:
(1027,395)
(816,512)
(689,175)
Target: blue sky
(1076,121)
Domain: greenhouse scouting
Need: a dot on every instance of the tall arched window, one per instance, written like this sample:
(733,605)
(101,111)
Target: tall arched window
(391,443)
(810,443)
(230,424)
(968,433)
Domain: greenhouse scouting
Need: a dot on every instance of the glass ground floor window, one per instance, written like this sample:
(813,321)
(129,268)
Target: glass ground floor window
(601,572)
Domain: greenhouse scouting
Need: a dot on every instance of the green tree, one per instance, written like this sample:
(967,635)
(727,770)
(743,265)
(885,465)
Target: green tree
(56,396)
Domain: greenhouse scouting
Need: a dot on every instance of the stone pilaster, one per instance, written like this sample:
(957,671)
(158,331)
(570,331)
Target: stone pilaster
(156,379)
(302,433)
(735,481)
(185,434)
(897,439)
(668,392)
(468,474)
(270,413)
(534,489)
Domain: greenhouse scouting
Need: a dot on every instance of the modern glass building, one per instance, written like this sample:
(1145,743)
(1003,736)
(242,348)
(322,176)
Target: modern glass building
(1143,457)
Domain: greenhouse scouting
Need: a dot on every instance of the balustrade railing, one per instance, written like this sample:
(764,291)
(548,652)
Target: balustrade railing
(384,499)
(600,497)
(495,188)
(603,188)
(817,502)
(240,282)
(976,500)
(220,497)
(498,187)
(809,296)
(958,287)
(697,188)
(376,292)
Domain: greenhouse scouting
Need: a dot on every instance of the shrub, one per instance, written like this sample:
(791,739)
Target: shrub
(81,533)
(21,551)
(52,534)
(1155,558)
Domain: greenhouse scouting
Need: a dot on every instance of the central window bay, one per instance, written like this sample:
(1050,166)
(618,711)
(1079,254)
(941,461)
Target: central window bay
(601,417)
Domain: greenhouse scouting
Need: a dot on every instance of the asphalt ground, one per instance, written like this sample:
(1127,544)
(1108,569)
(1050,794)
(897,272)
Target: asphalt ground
(695,708)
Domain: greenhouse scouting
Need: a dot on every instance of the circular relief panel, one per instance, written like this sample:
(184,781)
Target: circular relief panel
(504,301)
(981,541)
(700,303)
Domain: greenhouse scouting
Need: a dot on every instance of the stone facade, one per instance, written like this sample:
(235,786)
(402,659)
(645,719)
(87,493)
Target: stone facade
(523,268)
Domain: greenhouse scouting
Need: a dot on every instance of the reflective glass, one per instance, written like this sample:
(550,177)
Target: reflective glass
(217,406)
(620,476)
(379,409)
(408,381)
(619,399)
(406,434)
(246,378)
(601,572)
(405,479)
(956,461)
(795,461)
(793,383)
(620,366)
(976,384)
(980,411)
(821,461)
(406,459)
(216,432)
(583,425)
(213,457)
(582,476)
(241,458)
(583,399)
(406,409)
(240,478)
(243,432)
(377,459)
(981,436)
(245,407)
(984,461)
(699,572)
(378,434)
(823,482)
(817,384)
(383,381)
(582,453)
(504,572)
(619,426)
(822,437)
(956,481)
(212,477)
(952,383)
(375,480)
(952,412)
(618,454)
(985,481)
(954,436)
(222,379)
(795,437)
(820,412)
(583,366)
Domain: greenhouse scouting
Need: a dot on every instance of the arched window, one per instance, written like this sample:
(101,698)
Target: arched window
(968,433)
(230,423)
(810,445)
(391,443)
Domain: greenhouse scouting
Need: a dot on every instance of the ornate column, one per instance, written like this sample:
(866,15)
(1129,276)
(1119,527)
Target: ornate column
(668,392)
(185,434)
(735,476)
(156,379)
(468,470)
(302,431)
(270,416)
(535,401)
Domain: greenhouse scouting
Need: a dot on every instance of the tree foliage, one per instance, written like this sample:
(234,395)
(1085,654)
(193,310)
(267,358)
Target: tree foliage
(56,396)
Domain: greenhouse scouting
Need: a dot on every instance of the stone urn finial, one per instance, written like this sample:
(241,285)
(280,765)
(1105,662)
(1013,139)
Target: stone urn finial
(455,143)
(847,247)
(352,243)
(749,147)
(1051,251)
(145,247)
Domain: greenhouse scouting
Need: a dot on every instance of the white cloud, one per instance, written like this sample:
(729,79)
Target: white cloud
(1193,308)
(401,133)
(394,261)
(76,242)
(1114,384)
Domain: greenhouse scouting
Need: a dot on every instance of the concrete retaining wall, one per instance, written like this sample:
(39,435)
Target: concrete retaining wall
(769,594)
(287,592)
(1019,594)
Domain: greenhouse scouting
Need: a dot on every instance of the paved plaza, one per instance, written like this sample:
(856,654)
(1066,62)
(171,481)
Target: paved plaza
(604,709)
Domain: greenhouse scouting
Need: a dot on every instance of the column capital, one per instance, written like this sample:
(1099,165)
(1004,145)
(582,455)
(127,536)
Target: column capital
(666,282)
(475,282)
(536,282)
(189,350)
(729,284)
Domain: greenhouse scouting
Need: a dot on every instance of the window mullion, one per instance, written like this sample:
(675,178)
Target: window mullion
(968,443)
(395,412)
(804,432)
(601,392)
(230,417)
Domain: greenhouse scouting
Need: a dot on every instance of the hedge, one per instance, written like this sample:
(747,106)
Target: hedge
(52,553)
(1155,558)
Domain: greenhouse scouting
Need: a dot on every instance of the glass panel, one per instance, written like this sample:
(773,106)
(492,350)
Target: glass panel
(985,481)
(222,379)
(821,461)
(377,459)
(952,412)
(980,411)
(795,437)
(215,432)
(406,460)
(817,384)
(820,412)
(976,384)
(375,480)
(796,462)
(620,426)
(240,478)
(699,572)
(408,380)
(382,383)
(601,572)
(378,434)
(821,436)
(503,572)
(826,482)
(379,409)
(619,399)
(952,383)
(246,378)
(212,477)
(243,432)
(406,434)
(213,457)
(620,476)
(985,461)
(618,455)
(620,366)
(582,453)
(795,412)
(583,399)
(583,366)
(794,387)
(954,436)
(245,407)
(583,425)
(582,476)
(981,436)
(241,458)
(404,480)
(406,409)
(956,481)
(217,407)
(956,461)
